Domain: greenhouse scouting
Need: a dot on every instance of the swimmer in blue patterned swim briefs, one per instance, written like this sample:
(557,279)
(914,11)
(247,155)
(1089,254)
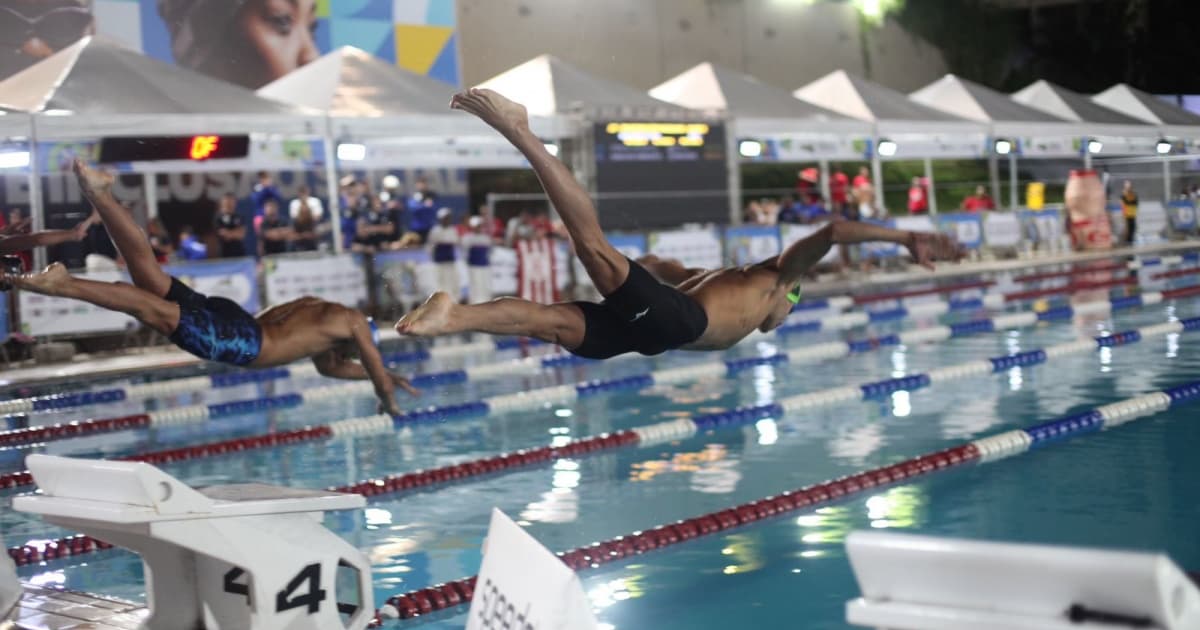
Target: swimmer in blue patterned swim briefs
(215,328)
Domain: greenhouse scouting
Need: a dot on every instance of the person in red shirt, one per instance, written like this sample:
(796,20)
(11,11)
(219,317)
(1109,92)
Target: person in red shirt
(979,201)
(839,184)
(918,197)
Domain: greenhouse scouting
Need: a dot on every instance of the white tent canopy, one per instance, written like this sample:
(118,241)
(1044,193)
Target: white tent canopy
(1120,134)
(1146,107)
(98,88)
(1001,113)
(547,85)
(755,106)
(919,131)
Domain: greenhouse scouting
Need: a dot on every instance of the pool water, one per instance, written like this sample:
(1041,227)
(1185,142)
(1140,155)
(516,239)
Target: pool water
(1132,487)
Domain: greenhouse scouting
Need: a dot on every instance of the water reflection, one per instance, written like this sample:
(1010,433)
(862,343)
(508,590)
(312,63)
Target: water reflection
(764,384)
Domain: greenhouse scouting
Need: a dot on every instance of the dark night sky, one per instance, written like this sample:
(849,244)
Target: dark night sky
(1086,46)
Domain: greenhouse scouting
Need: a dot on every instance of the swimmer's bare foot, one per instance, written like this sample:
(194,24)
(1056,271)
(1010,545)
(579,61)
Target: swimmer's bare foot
(50,281)
(92,182)
(429,319)
(502,114)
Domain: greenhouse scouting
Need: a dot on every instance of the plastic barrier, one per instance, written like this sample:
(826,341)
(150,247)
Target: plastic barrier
(966,228)
(338,279)
(749,244)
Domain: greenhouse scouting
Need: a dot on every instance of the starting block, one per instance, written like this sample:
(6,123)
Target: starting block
(242,556)
(925,583)
(10,586)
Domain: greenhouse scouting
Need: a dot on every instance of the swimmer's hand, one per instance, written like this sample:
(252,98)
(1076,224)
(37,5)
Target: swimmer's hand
(390,408)
(927,247)
(403,383)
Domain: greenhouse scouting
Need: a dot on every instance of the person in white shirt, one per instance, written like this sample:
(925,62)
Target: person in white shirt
(478,244)
(314,204)
(443,250)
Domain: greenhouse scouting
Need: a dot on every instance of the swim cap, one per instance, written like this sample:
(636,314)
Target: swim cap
(793,296)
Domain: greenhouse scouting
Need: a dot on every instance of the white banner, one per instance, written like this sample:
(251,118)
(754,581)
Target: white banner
(919,223)
(521,584)
(790,233)
(334,278)
(694,248)
(44,315)
(1001,229)
(1151,222)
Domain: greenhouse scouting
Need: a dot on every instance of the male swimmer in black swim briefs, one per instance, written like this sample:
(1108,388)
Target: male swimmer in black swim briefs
(215,328)
(695,310)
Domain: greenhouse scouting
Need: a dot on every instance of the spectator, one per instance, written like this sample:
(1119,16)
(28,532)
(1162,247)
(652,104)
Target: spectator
(375,228)
(160,240)
(979,201)
(263,190)
(392,200)
(304,230)
(443,250)
(864,193)
(518,228)
(493,226)
(273,231)
(231,232)
(190,247)
(478,243)
(421,210)
(806,185)
(918,197)
(1129,208)
(352,207)
(790,211)
(304,199)
(838,185)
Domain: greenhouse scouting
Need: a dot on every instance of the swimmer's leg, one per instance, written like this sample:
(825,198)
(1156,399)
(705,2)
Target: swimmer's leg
(126,235)
(560,324)
(607,268)
(147,308)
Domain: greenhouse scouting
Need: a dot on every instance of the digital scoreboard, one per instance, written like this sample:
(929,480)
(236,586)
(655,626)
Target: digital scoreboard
(159,148)
(660,174)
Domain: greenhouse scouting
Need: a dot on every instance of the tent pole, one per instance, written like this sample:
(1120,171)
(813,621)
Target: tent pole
(823,165)
(933,209)
(37,210)
(733,168)
(1166,181)
(877,179)
(994,175)
(1012,180)
(331,180)
(150,188)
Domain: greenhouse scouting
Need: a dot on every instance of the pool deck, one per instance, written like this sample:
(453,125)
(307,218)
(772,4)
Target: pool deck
(159,358)
(43,608)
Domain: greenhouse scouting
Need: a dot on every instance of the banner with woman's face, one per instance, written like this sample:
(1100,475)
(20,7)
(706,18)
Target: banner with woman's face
(245,42)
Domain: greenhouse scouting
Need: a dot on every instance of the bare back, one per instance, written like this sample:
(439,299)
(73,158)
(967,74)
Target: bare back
(302,328)
(738,301)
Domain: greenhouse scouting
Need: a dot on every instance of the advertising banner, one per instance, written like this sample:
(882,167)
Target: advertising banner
(338,279)
(748,244)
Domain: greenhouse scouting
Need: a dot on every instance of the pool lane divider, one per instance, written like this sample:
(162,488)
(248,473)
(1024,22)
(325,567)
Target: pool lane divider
(664,432)
(531,365)
(191,414)
(1008,444)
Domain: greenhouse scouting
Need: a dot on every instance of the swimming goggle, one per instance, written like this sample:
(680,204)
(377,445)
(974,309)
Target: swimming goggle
(793,296)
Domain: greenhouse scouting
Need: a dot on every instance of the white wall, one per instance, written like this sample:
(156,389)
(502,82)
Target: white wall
(642,42)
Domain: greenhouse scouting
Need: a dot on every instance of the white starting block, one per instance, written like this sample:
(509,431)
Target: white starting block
(924,583)
(10,586)
(244,556)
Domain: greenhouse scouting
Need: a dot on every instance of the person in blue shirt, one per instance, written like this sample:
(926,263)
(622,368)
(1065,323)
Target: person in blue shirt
(190,247)
(265,189)
(422,213)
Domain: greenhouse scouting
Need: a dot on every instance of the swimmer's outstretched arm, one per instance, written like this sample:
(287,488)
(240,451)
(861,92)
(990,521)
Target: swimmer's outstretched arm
(333,365)
(803,254)
(47,238)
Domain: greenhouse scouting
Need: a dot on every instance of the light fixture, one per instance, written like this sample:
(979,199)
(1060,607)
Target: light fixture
(1003,147)
(58,112)
(1095,146)
(750,148)
(352,152)
(14,159)
(887,148)
(551,148)
(1163,147)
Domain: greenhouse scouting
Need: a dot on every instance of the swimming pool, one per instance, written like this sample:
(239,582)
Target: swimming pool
(1125,488)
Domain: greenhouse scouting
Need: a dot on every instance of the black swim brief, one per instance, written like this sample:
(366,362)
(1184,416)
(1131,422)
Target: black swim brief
(214,328)
(643,315)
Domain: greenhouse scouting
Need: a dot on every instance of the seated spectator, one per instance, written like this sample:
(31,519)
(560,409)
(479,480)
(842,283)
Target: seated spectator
(304,199)
(190,247)
(273,230)
(979,201)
